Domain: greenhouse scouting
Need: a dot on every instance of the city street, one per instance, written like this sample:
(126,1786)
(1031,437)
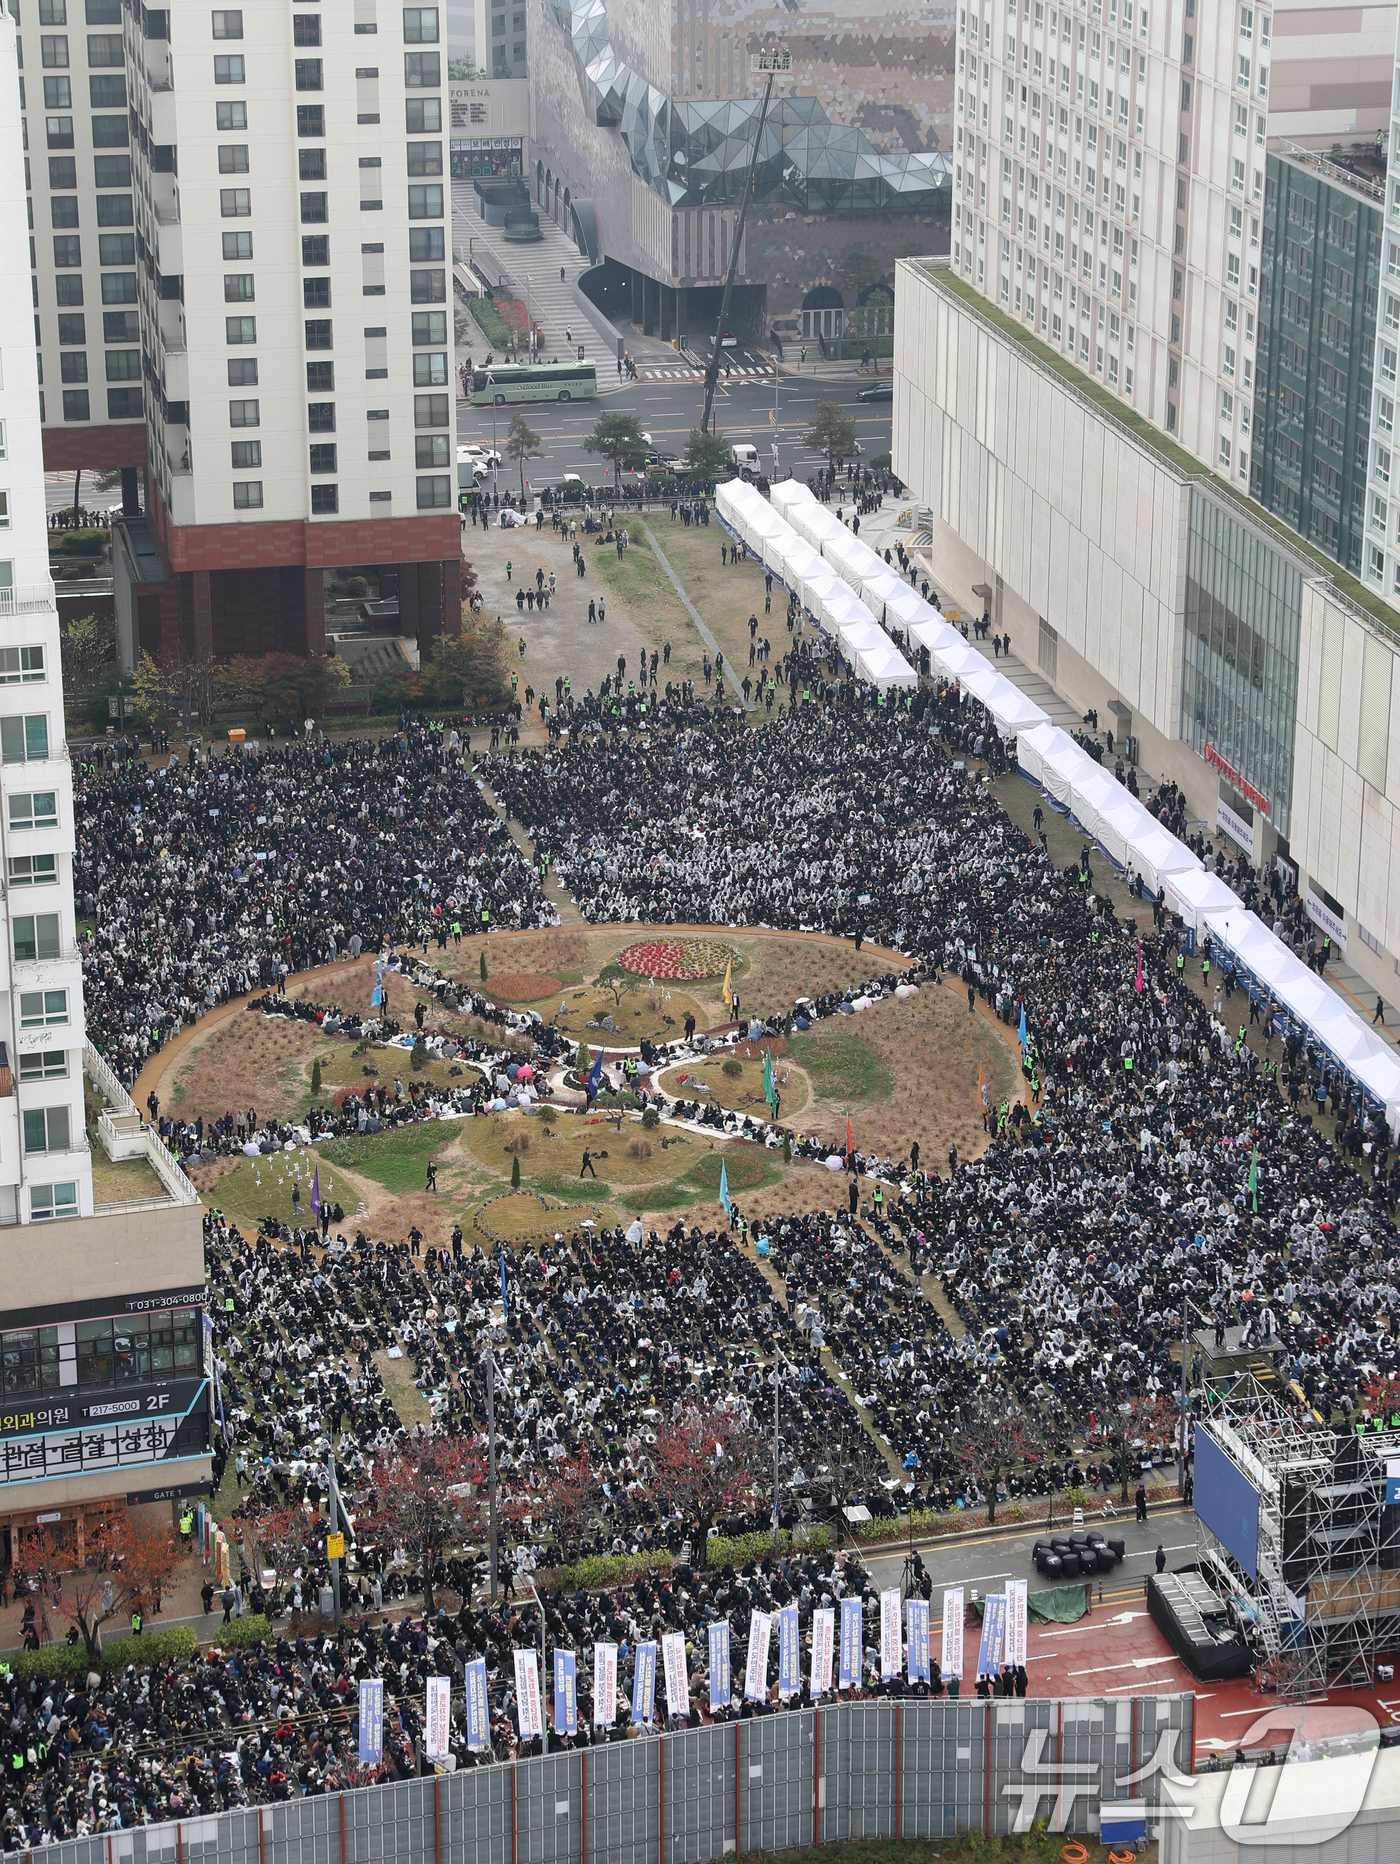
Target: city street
(668,411)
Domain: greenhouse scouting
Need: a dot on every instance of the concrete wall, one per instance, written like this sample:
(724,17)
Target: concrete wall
(146,1250)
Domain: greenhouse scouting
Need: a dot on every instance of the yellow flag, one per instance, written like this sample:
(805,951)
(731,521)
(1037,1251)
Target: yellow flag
(728,994)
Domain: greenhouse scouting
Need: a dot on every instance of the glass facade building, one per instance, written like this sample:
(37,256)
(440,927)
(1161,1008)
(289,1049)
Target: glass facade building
(1239,668)
(1317,327)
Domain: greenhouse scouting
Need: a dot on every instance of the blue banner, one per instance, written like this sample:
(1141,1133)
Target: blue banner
(720,1687)
(789,1653)
(916,1636)
(565,1693)
(644,1684)
(371,1722)
(989,1654)
(478,1718)
(851,1659)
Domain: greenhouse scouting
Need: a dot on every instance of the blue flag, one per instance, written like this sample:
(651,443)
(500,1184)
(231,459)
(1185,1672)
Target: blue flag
(724,1187)
(719,1666)
(595,1073)
(378,996)
(644,1684)
(993,1634)
(789,1653)
(478,1719)
(371,1722)
(565,1695)
(851,1648)
(1023,1028)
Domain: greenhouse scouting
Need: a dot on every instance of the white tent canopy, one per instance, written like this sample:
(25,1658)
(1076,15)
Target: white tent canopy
(884,666)
(879,588)
(789,496)
(1008,705)
(1194,893)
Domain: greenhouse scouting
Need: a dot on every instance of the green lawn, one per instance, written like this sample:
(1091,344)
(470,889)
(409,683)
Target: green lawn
(397,1160)
(745,1170)
(841,1067)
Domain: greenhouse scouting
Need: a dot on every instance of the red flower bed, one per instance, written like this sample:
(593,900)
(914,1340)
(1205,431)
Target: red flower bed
(676,959)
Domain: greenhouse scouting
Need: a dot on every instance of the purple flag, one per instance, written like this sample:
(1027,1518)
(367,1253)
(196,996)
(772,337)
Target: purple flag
(316,1192)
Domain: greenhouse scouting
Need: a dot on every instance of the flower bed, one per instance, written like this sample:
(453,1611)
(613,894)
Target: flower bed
(677,959)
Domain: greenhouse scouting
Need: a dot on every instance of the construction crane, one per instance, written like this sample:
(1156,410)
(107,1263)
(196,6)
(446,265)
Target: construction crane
(772,63)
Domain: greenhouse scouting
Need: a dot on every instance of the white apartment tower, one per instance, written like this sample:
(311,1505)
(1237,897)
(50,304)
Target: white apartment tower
(249,206)
(45,1168)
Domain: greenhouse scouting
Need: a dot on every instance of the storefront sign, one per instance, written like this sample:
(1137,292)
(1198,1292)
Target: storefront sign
(1322,916)
(53,1411)
(1235,826)
(1228,771)
(104,1446)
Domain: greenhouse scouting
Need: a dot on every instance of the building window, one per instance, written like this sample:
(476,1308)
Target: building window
(430,411)
(308,74)
(311,164)
(67,250)
(424,158)
(313,210)
(318,333)
(429,327)
(320,418)
(114,210)
(63,210)
(430,369)
(73,366)
(75,404)
(238,246)
(306,29)
(36,937)
(311,119)
(228,70)
(244,454)
(104,50)
(238,289)
(243,414)
(427,287)
(44,1065)
(425,203)
(116,249)
(123,365)
(233,158)
(235,203)
(240,329)
(124,404)
(33,870)
(423,116)
(325,499)
(231,115)
(52,1200)
(248,496)
(430,450)
(420,25)
(316,294)
(425,243)
(315,249)
(323,458)
(434,494)
(320,378)
(228,24)
(21,665)
(422,71)
(243,372)
(43,1009)
(34,809)
(24,738)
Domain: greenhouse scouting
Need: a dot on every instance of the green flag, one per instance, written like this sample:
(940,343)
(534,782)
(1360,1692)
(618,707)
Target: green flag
(768,1076)
(1254,1175)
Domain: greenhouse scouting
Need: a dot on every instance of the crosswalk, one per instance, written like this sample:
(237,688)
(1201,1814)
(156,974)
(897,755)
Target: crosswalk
(698,375)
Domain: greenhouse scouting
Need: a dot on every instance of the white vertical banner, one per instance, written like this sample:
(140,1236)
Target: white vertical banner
(823,1651)
(604,1685)
(437,1721)
(891,1643)
(527,1694)
(951,1660)
(677,1683)
(1017,1620)
(756,1669)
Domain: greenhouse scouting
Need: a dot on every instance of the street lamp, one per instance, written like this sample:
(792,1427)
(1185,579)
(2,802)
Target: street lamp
(529,319)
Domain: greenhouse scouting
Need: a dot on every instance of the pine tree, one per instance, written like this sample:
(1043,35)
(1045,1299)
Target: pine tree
(515,1173)
(483,967)
(418,1056)
(315,1077)
(585,1060)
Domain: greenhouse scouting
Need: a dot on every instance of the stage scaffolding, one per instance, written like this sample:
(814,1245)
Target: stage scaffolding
(1324,1601)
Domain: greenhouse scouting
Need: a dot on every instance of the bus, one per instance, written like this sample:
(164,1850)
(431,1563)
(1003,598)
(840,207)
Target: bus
(544,381)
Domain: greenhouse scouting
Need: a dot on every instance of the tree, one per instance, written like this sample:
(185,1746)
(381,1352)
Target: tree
(567,1506)
(831,431)
(315,1077)
(155,697)
(1140,1418)
(288,686)
(912,248)
(991,1437)
(856,271)
(461,70)
(522,443)
(706,455)
(85,647)
(283,1533)
(515,1173)
(396,690)
(466,670)
(483,964)
(107,479)
(427,1500)
(618,437)
(708,1461)
(129,1564)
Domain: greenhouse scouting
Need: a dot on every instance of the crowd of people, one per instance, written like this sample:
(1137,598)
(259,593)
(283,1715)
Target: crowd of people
(1152,1157)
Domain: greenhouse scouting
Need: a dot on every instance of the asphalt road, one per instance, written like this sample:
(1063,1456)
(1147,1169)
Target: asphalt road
(668,411)
(983,1561)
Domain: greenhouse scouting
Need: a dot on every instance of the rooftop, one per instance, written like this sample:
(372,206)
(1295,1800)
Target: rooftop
(1359,166)
(1176,459)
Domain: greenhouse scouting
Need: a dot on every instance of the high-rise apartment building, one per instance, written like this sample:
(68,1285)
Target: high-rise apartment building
(1169,288)
(500,38)
(101,1327)
(272,287)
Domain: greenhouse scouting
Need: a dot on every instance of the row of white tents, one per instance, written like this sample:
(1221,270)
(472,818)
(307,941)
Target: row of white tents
(856,597)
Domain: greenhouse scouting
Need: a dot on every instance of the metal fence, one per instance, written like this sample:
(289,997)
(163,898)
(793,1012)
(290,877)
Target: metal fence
(855,1770)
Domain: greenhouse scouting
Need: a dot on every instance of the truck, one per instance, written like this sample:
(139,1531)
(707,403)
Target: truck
(743,456)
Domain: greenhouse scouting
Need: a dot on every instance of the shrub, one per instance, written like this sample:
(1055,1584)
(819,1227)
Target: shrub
(651,1119)
(733,1066)
(483,967)
(639,1148)
(316,1077)
(608,1569)
(739,1549)
(515,1174)
(881,461)
(492,324)
(584,1060)
(69,1661)
(518,1142)
(787,1149)
(357,586)
(254,1628)
(418,1054)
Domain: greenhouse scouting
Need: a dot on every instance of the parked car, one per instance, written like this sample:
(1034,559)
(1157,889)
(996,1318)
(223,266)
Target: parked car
(877,391)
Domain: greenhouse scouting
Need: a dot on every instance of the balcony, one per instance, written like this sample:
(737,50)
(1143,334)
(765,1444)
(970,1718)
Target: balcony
(26,598)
